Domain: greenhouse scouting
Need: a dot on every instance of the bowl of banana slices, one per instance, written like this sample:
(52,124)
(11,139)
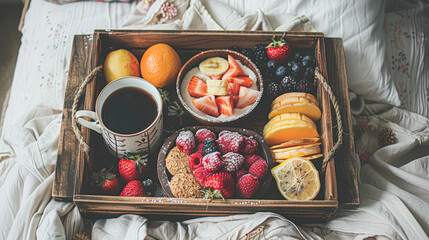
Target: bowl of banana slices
(219,86)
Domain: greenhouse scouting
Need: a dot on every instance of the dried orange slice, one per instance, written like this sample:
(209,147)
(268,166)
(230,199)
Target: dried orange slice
(297,179)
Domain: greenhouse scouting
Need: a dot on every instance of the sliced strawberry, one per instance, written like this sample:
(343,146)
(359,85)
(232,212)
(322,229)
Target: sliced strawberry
(218,77)
(225,105)
(207,105)
(243,81)
(246,97)
(233,89)
(235,100)
(197,87)
(233,70)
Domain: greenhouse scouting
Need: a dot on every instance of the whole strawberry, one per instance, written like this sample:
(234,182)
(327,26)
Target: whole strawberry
(106,182)
(247,185)
(278,50)
(133,167)
(133,189)
(223,182)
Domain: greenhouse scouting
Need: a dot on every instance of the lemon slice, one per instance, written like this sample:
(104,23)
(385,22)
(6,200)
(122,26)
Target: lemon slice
(297,179)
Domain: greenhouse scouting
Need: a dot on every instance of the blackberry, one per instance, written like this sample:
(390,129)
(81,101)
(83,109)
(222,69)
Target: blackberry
(308,87)
(289,84)
(149,186)
(258,47)
(261,57)
(248,52)
(209,146)
(267,81)
(274,90)
(234,48)
(147,183)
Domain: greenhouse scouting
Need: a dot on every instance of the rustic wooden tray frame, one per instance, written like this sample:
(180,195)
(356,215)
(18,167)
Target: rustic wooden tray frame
(317,210)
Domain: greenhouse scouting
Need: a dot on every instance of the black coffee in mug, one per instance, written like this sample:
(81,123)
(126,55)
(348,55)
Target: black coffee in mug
(129,110)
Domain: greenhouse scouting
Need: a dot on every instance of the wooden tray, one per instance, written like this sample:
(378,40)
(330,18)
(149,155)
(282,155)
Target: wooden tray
(73,166)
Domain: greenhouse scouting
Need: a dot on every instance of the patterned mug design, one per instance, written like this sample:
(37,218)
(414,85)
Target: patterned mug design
(119,145)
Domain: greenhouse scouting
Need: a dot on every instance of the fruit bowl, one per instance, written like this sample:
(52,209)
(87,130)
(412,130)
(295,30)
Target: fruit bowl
(263,151)
(186,99)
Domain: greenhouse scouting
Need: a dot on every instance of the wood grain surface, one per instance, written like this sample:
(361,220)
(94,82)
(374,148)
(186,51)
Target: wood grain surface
(68,166)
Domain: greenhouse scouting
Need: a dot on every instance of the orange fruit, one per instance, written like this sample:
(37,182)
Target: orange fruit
(160,65)
(297,179)
(120,63)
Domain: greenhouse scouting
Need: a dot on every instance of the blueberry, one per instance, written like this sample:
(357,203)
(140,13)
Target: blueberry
(310,70)
(308,58)
(298,57)
(280,72)
(271,64)
(308,76)
(296,69)
(307,63)
(289,64)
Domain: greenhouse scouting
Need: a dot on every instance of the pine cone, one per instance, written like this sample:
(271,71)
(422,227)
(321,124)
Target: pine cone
(386,137)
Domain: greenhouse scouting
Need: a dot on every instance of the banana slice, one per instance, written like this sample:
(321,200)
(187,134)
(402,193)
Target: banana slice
(214,66)
(217,87)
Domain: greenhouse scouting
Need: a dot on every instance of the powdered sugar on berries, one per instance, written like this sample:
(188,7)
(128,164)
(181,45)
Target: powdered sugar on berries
(204,133)
(233,141)
(212,162)
(186,142)
(232,162)
(250,145)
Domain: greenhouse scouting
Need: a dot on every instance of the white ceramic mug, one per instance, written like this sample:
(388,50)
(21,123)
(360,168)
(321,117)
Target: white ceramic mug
(147,140)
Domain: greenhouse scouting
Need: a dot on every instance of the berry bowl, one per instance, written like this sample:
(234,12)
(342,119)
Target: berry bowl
(218,87)
(252,150)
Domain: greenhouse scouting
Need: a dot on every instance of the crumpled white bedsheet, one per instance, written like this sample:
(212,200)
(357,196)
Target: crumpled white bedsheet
(394,188)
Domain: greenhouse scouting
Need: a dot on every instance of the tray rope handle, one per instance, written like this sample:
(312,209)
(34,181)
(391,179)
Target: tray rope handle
(333,99)
(76,99)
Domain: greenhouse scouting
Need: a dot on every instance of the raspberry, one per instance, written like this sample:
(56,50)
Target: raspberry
(201,174)
(209,146)
(222,148)
(250,145)
(186,142)
(232,162)
(232,141)
(249,160)
(195,161)
(204,133)
(199,148)
(223,132)
(241,172)
(212,162)
(247,185)
(259,168)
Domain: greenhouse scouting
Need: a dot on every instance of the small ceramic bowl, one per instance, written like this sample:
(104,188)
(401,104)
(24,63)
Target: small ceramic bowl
(194,62)
(263,151)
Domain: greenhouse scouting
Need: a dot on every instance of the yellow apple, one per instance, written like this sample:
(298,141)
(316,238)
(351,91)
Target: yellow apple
(120,63)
